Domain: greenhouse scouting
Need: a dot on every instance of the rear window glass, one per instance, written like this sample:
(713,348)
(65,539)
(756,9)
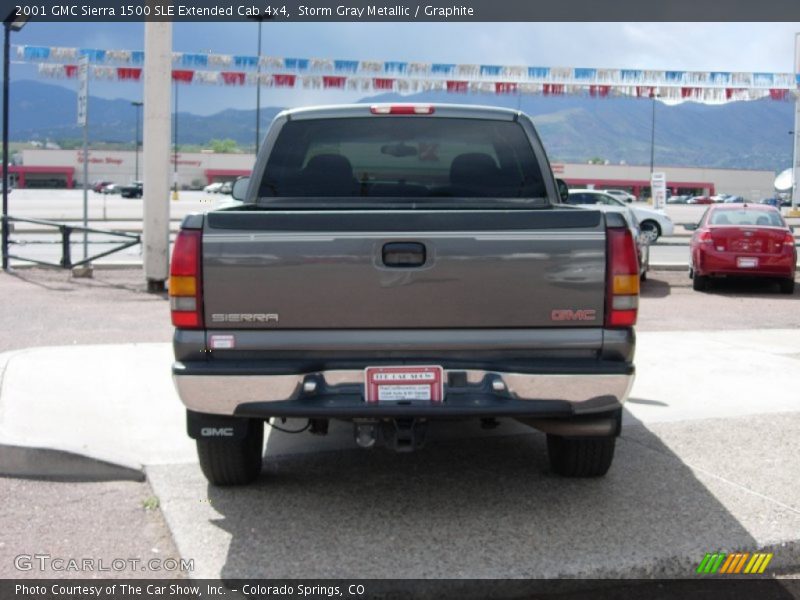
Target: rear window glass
(746,217)
(402,159)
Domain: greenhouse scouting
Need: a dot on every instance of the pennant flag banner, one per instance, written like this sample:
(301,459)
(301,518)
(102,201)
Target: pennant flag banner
(409,77)
(410,85)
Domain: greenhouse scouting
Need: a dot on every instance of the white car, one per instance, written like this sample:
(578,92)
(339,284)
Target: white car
(213,188)
(653,223)
(594,199)
(621,195)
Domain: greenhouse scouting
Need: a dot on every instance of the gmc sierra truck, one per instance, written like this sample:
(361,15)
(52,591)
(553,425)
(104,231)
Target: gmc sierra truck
(397,265)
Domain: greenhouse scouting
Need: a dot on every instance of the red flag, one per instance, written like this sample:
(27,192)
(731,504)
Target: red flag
(457,86)
(689,92)
(333,81)
(233,77)
(381,83)
(184,76)
(599,90)
(284,80)
(505,88)
(779,94)
(126,73)
(71,70)
(553,89)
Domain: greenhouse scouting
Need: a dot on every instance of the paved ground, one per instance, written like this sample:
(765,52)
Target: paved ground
(95,520)
(702,464)
(100,521)
(48,307)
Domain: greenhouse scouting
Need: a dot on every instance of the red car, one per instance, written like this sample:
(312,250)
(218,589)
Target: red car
(747,240)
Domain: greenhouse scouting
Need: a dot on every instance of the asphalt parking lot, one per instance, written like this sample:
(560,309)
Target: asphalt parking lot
(702,463)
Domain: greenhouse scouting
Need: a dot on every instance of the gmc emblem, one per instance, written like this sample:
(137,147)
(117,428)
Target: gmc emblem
(573,315)
(217,432)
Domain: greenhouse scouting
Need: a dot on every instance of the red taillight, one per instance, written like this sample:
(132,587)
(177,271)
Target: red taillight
(185,283)
(400,109)
(622,278)
(705,238)
(788,240)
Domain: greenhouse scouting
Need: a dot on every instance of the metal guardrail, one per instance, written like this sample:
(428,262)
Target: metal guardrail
(66,232)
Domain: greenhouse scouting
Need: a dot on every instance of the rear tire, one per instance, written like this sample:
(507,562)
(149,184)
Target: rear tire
(580,457)
(787,286)
(230,461)
(699,282)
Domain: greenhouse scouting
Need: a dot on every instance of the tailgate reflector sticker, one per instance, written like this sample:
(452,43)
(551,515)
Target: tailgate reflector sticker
(222,342)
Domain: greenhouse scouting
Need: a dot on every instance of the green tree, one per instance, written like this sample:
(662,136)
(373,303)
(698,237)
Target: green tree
(226,146)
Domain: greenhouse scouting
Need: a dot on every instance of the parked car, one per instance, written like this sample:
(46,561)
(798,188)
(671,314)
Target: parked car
(213,188)
(751,240)
(700,200)
(777,202)
(596,199)
(717,198)
(679,199)
(621,195)
(734,200)
(134,190)
(98,186)
(226,187)
(111,188)
(653,223)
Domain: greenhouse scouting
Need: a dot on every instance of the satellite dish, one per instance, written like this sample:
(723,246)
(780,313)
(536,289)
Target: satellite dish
(783,182)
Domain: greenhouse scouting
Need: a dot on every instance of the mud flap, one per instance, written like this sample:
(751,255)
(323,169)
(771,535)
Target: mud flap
(209,426)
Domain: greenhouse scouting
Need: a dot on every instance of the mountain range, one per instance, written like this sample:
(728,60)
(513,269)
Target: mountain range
(753,135)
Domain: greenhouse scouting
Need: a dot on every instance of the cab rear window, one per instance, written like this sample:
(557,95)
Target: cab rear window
(402,159)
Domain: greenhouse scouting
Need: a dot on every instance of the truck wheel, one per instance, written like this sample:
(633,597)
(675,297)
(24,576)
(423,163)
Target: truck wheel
(699,282)
(787,286)
(580,457)
(230,461)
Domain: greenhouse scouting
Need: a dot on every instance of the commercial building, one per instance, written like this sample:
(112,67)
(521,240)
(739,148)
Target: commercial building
(750,184)
(64,168)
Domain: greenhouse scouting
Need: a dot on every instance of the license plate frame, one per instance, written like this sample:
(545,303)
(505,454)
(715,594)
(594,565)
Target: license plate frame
(747,262)
(404,383)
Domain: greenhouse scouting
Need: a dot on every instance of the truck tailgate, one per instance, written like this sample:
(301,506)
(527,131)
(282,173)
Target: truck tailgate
(403,269)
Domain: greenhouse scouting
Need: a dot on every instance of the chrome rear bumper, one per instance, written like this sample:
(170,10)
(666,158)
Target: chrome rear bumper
(586,393)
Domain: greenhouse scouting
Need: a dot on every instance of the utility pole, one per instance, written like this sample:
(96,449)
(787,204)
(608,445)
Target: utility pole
(175,146)
(157,75)
(138,107)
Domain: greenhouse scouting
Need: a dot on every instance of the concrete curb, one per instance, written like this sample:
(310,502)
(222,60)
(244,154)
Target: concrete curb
(60,465)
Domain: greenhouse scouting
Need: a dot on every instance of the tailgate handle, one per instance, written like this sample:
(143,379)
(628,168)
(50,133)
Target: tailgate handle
(404,254)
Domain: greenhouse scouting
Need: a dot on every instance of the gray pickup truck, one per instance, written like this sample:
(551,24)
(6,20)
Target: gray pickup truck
(397,265)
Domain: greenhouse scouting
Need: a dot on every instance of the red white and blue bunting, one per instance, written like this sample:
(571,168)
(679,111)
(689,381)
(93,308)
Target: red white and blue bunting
(410,77)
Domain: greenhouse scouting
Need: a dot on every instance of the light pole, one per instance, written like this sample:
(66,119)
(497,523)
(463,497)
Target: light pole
(138,107)
(795,210)
(653,95)
(175,146)
(260,19)
(10,23)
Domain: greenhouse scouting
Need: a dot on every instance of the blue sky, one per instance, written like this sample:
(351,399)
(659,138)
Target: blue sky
(765,47)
